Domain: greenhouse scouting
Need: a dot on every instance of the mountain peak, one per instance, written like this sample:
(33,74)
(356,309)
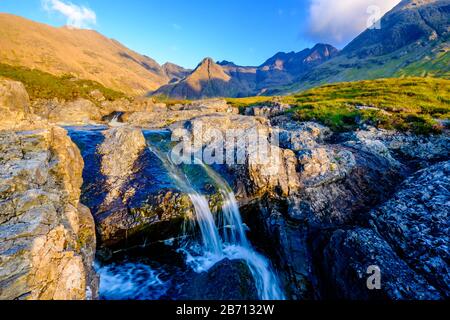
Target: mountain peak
(411,23)
(207,60)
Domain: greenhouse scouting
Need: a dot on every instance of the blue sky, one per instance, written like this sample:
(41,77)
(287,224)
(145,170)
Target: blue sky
(246,32)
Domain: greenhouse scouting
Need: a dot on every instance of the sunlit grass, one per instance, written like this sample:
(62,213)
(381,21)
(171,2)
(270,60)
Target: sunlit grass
(43,85)
(406,104)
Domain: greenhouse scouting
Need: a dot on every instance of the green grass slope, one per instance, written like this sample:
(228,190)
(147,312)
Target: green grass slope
(44,85)
(418,105)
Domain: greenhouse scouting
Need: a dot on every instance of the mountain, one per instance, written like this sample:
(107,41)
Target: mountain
(226,79)
(209,79)
(413,41)
(83,53)
(175,72)
(284,68)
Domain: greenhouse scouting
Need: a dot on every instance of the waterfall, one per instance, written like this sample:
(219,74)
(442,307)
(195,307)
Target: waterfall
(212,242)
(234,245)
(237,244)
(115,120)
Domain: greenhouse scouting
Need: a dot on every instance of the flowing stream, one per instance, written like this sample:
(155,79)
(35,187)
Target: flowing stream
(233,243)
(154,275)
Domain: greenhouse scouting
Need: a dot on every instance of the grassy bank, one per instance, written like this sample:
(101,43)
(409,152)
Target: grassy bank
(44,85)
(406,104)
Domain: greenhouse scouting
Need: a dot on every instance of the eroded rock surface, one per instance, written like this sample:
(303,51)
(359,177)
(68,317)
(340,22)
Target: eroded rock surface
(47,237)
(348,256)
(126,190)
(416,224)
(15,108)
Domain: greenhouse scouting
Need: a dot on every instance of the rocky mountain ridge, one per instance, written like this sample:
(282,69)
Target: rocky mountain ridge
(226,79)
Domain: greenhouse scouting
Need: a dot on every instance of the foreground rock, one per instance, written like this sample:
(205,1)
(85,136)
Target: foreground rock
(168,115)
(347,259)
(120,151)
(322,185)
(226,281)
(128,191)
(15,107)
(415,223)
(407,240)
(47,237)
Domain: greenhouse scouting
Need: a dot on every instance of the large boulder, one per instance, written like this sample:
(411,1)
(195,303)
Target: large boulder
(132,199)
(257,164)
(47,237)
(14,102)
(120,151)
(228,280)
(352,256)
(415,222)
(15,108)
(80,111)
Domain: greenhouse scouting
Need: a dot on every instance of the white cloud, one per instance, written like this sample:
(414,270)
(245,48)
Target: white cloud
(77,16)
(339,21)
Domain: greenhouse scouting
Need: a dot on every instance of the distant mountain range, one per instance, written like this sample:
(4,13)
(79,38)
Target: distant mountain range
(211,79)
(413,41)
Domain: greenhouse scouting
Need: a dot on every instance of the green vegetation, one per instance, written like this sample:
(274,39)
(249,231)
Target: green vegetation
(44,85)
(407,104)
(429,67)
(169,101)
(243,103)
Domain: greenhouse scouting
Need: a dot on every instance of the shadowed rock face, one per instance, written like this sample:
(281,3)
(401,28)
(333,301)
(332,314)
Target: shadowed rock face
(47,237)
(228,280)
(415,223)
(407,239)
(347,258)
(318,212)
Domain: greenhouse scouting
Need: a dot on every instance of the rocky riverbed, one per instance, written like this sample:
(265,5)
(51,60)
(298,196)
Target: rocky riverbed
(328,207)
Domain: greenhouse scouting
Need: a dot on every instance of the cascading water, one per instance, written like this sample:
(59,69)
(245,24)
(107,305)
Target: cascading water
(235,245)
(212,242)
(115,120)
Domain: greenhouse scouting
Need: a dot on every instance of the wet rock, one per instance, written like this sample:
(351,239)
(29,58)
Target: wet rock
(47,237)
(415,222)
(347,259)
(119,152)
(227,280)
(131,201)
